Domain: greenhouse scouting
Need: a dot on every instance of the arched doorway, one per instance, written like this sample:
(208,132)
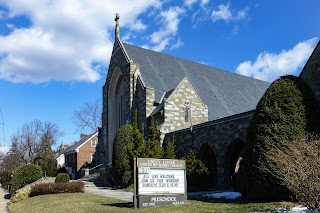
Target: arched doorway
(115,107)
(208,157)
(231,159)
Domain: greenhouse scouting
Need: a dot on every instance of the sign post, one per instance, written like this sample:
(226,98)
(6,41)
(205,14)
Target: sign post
(159,182)
(135,183)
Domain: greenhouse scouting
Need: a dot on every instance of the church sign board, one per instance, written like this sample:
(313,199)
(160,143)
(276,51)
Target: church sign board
(159,182)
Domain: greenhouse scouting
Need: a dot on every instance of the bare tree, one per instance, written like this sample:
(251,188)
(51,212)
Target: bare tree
(34,141)
(296,164)
(88,116)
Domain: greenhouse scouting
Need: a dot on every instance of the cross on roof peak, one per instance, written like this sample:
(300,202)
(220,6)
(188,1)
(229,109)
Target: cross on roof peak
(117,18)
(117,30)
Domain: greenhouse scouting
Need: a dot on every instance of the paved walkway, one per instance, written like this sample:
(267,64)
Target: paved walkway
(94,186)
(4,198)
(108,192)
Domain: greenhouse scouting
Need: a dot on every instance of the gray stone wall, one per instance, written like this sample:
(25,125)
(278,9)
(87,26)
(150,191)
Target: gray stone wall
(311,72)
(174,109)
(149,100)
(218,135)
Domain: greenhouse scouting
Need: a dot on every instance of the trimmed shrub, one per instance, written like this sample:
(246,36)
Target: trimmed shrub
(122,174)
(196,170)
(25,175)
(55,188)
(62,178)
(288,108)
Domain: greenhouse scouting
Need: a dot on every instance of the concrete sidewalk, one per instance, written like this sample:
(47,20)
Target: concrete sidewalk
(4,198)
(108,192)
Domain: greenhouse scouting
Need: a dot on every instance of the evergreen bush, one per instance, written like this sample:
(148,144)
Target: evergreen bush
(122,174)
(136,147)
(288,108)
(196,170)
(62,177)
(170,152)
(153,148)
(25,175)
(5,178)
(48,165)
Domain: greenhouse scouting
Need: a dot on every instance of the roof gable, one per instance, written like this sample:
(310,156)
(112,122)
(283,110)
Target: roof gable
(184,81)
(80,143)
(225,93)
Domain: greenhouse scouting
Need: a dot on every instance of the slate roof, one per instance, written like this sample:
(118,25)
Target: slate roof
(225,93)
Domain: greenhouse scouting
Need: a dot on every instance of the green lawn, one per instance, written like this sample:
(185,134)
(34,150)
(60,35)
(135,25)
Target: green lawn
(84,202)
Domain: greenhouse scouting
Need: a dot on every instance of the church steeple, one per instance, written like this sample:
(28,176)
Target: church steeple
(117,30)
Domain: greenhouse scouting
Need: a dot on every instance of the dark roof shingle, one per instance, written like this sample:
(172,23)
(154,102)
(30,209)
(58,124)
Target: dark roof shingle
(225,93)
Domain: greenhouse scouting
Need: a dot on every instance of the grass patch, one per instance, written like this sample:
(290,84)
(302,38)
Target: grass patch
(85,202)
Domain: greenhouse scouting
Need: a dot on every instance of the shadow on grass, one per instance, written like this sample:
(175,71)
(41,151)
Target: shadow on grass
(120,205)
(215,200)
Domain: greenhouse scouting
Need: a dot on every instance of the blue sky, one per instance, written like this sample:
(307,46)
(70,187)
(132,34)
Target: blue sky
(54,54)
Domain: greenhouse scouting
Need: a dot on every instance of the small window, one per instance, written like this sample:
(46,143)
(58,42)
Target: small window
(93,142)
(186,112)
(73,155)
(93,156)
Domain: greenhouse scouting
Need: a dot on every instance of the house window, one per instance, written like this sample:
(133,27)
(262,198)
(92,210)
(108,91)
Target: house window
(73,156)
(186,112)
(93,142)
(93,155)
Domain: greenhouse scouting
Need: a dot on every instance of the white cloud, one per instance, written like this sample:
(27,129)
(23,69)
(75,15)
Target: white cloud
(204,2)
(224,13)
(170,20)
(4,150)
(241,14)
(269,66)
(189,3)
(161,45)
(177,45)
(145,47)
(65,38)
(11,26)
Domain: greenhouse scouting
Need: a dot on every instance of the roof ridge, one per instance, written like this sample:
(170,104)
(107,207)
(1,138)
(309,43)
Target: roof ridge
(223,92)
(190,61)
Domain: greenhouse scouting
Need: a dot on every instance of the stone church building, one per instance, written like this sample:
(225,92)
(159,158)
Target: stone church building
(207,109)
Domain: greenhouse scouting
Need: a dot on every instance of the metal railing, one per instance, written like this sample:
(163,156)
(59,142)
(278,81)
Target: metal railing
(92,170)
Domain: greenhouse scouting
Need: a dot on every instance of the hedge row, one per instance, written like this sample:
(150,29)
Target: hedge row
(55,188)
